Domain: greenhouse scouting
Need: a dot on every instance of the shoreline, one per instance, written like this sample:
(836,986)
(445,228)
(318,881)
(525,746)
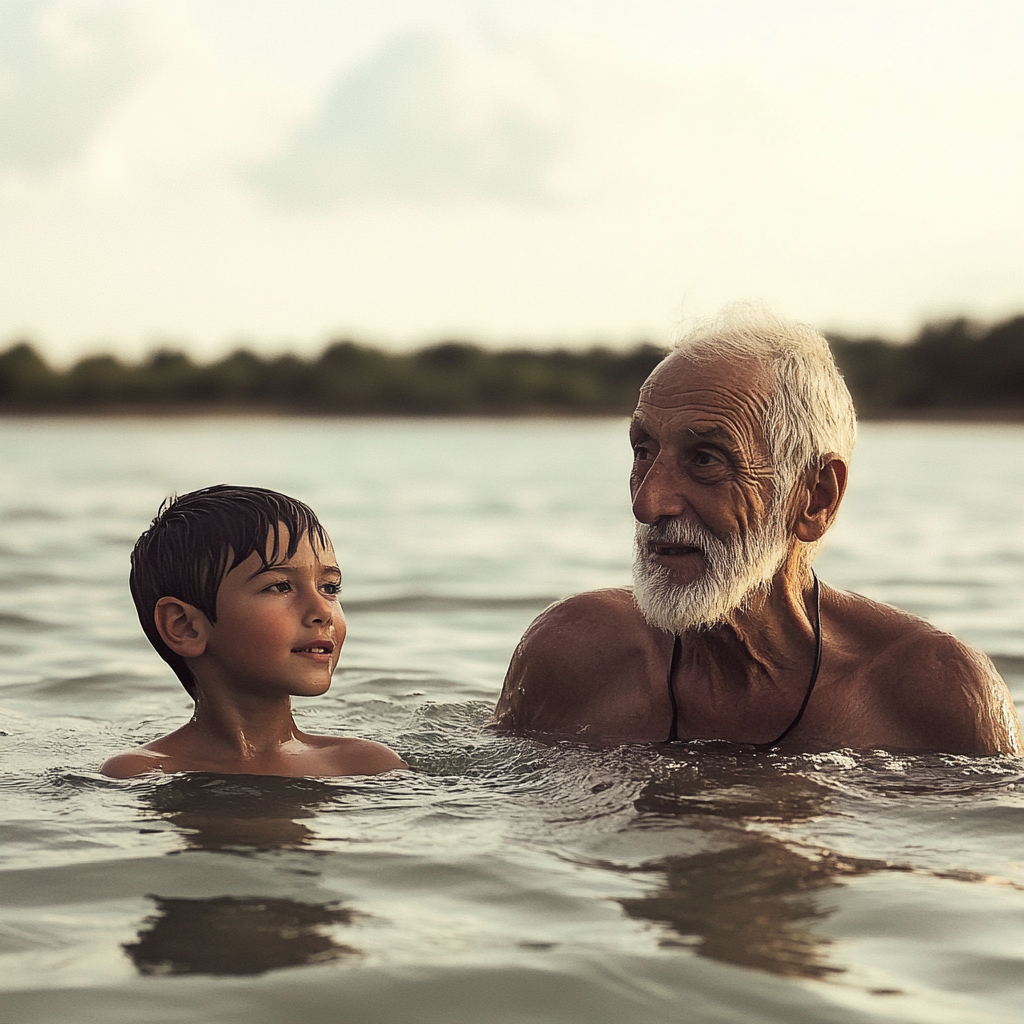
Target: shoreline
(176,413)
(242,413)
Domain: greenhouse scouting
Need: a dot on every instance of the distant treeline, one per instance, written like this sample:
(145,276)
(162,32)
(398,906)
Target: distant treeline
(452,378)
(955,368)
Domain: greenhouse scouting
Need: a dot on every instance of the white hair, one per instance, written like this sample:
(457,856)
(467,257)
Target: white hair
(810,412)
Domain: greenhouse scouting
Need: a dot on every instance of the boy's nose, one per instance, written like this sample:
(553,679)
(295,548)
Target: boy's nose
(321,609)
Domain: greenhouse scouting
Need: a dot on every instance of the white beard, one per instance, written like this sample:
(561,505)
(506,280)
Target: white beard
(735,570)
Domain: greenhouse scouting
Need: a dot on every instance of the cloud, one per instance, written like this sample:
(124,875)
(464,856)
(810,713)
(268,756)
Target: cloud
(413,125)
(61,70)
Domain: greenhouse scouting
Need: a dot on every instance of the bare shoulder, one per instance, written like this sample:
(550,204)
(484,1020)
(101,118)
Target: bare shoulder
(938,689)
(905,645)
(583,617)
(347,755)
(587,652)
(954,693)
(133,763)
(166,754)
(580,632)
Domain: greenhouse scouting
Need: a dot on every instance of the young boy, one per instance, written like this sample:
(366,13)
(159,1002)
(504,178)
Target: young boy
(237,589)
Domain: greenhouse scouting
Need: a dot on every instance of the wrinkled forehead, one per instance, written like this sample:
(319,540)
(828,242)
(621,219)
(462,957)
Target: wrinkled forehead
(744,379)
(722,392)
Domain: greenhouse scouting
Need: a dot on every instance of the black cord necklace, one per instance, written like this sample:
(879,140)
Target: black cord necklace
(677,650)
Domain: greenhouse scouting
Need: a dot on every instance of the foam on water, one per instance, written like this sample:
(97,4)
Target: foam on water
(502,879)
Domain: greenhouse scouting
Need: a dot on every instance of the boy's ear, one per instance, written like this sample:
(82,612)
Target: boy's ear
(819,498)
(181,626)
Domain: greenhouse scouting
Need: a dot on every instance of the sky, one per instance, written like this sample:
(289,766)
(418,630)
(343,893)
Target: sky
(215,173)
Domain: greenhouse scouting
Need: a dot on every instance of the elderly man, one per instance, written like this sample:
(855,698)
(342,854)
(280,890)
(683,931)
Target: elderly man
(741,440)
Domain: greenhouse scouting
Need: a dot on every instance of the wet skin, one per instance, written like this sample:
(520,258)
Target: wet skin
(278,634)
(591,668)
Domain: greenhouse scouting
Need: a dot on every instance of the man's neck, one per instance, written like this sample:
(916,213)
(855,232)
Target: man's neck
(776,629)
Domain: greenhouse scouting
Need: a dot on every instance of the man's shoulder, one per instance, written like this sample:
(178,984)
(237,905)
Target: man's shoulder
(609,603)
(581,665)
(898,638)
(949,692)
(594,623)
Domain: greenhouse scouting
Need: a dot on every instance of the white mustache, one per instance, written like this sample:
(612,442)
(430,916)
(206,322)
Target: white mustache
(734,569)
(675,531)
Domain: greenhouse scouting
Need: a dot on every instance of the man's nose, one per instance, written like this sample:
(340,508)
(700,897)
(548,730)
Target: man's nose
(659,494)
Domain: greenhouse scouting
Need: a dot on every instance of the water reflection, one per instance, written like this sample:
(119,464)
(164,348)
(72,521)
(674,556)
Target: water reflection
(228,935)
(750,905)
(241,812)
(744,788)
(753,903)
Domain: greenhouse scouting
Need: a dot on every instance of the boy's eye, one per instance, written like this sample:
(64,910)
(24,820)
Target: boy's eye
(331,588)
(281,587)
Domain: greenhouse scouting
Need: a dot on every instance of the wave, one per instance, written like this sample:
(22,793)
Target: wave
(12,620)
(31,515)
(15,581)
(88,685)
(444,603)
(1008,664)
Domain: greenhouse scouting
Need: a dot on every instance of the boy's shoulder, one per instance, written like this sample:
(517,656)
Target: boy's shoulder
(166,754)
(323,756)
(135,762)
(347,755)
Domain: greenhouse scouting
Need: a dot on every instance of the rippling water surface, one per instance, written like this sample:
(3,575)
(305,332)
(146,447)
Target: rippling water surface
(505,880)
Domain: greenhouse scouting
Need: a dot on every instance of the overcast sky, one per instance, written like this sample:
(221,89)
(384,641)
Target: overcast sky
(279,173)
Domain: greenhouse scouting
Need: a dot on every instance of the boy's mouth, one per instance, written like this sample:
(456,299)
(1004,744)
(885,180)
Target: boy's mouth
(317,647)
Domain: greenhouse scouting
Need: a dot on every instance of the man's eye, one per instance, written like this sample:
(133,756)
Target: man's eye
(640,453)
(704,459)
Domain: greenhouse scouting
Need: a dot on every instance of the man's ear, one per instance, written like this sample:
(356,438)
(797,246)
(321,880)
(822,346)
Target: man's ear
(181,626)
(818,498)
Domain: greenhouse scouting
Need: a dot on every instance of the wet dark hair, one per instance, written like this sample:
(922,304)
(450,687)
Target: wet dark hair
(198,538)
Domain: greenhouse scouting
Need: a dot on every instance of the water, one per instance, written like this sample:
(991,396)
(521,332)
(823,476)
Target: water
(505,880)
